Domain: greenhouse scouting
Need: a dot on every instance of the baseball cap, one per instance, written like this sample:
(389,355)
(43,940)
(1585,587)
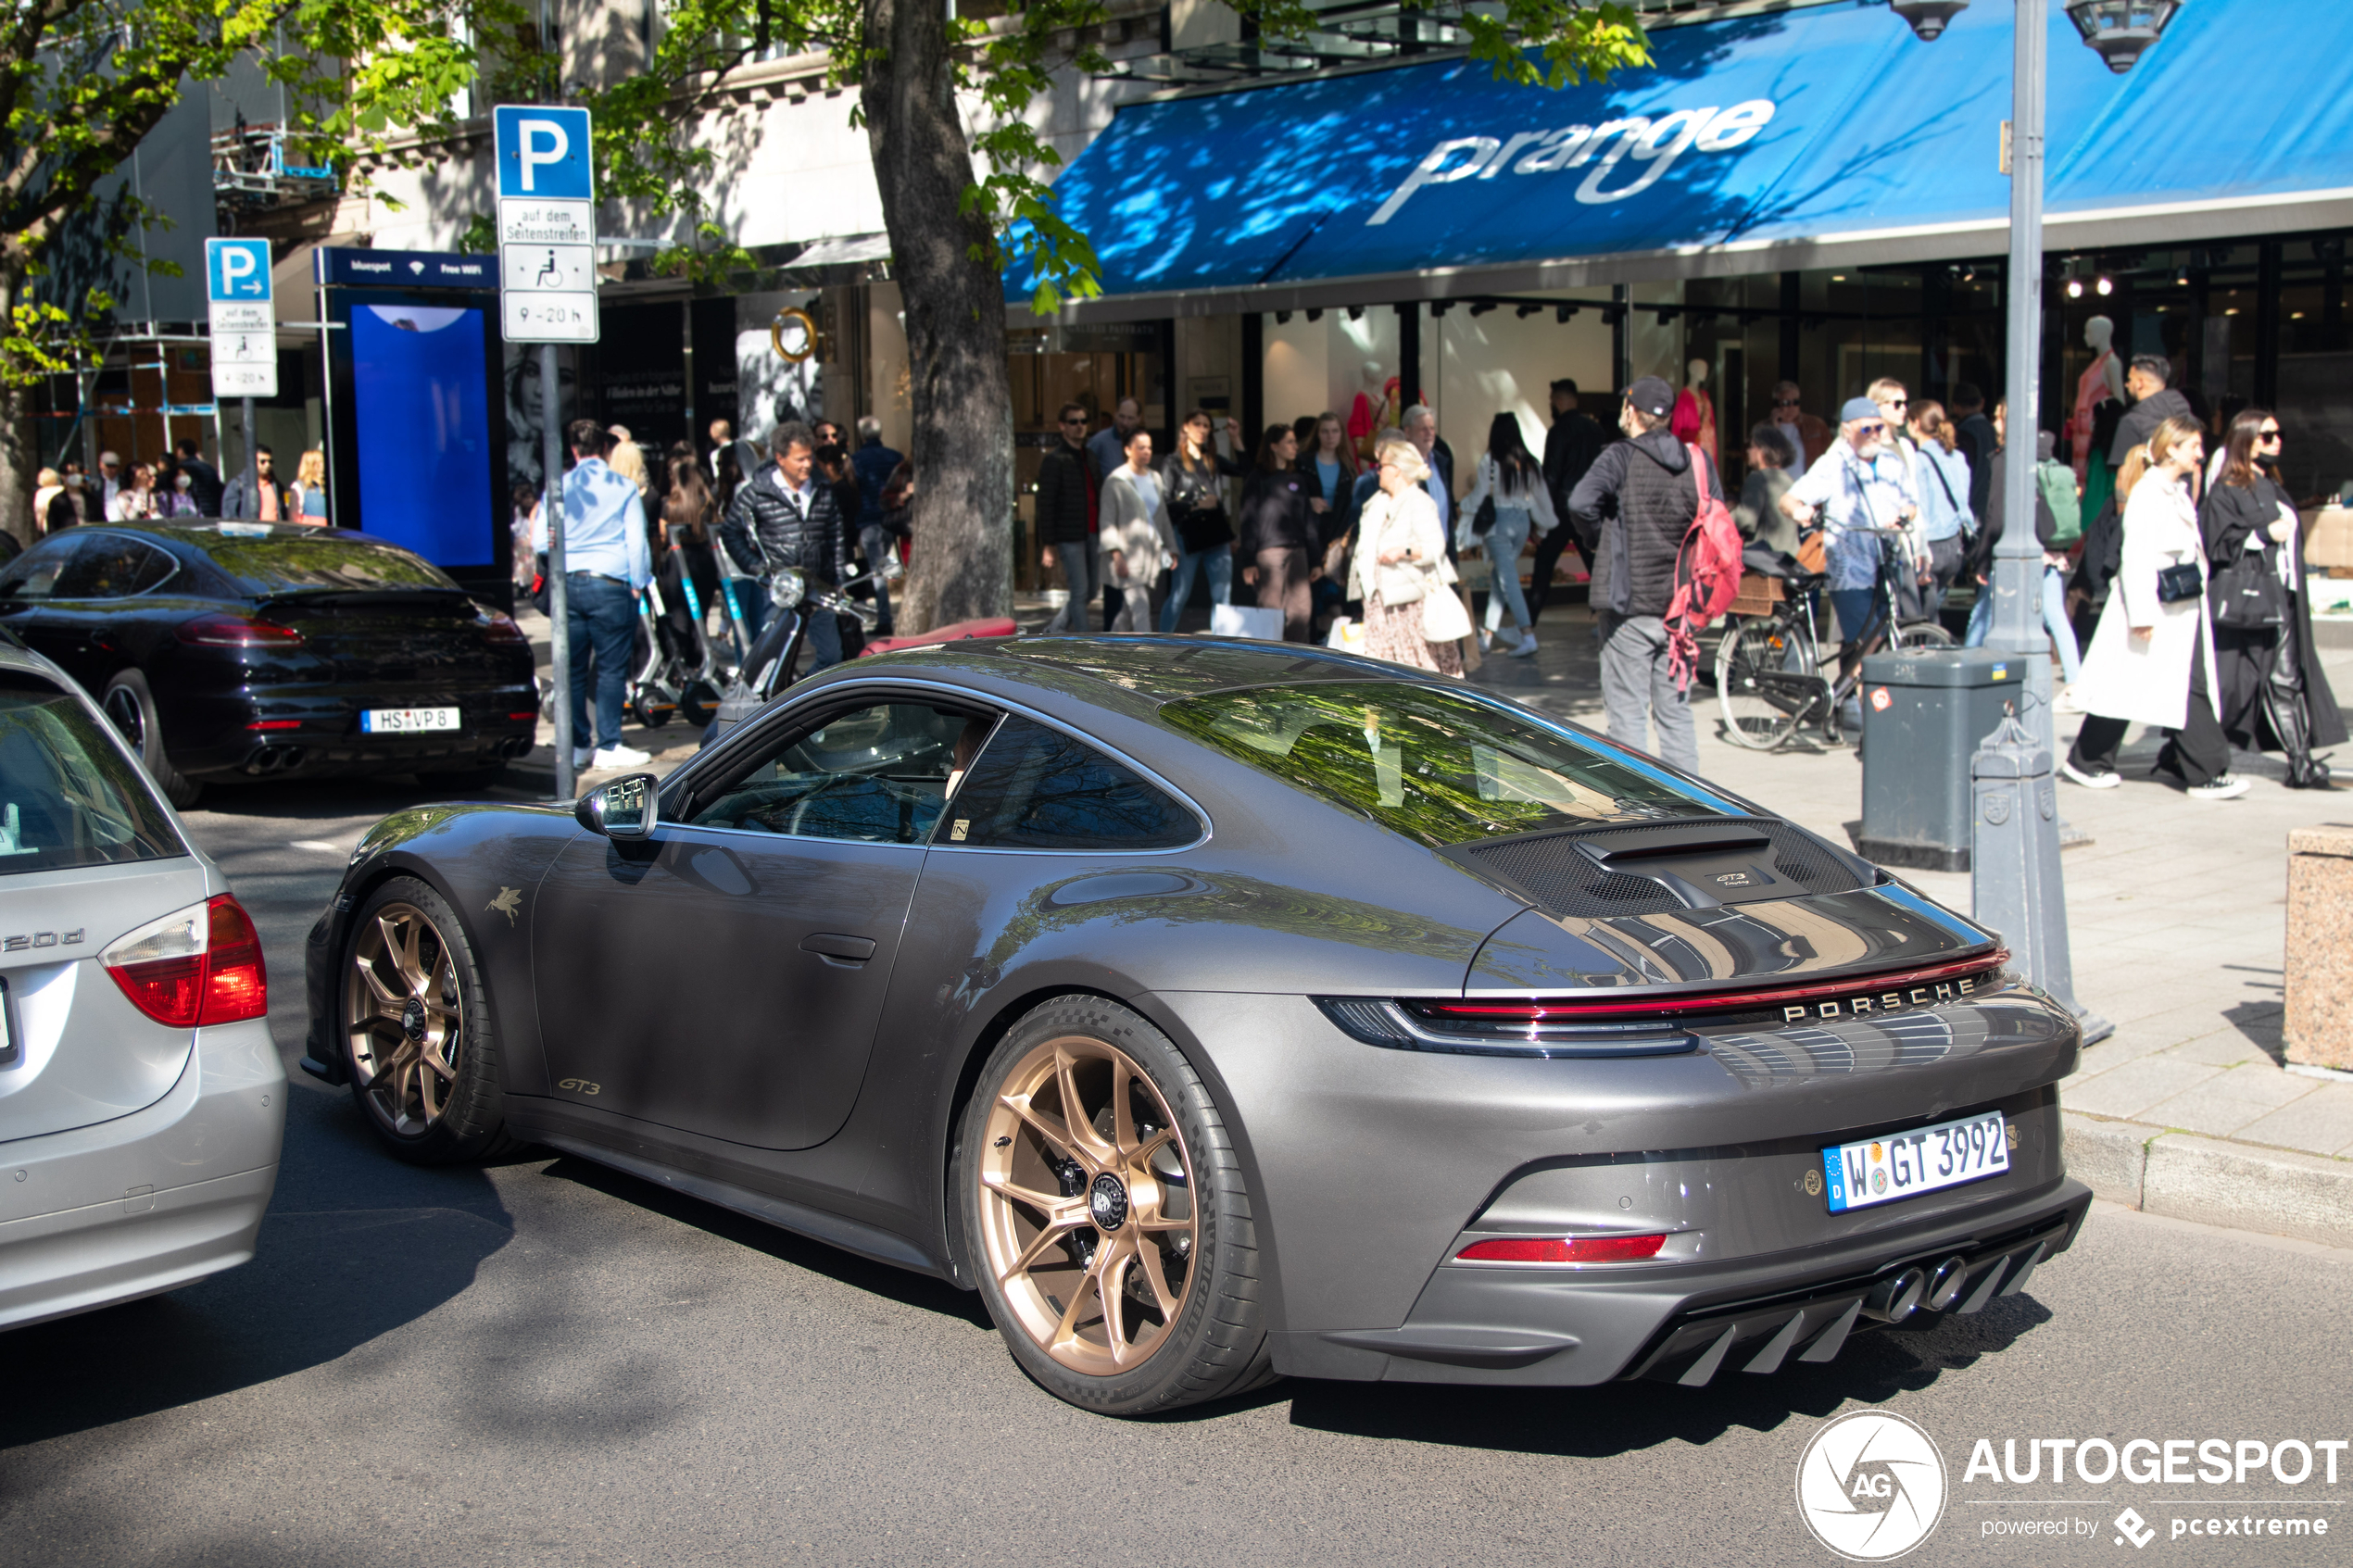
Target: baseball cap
(1859,408)
(1651,396)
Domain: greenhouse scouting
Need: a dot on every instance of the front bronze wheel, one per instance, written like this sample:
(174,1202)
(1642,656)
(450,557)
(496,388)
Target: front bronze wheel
(1087,1205)
(417,1036)
(1106,1214)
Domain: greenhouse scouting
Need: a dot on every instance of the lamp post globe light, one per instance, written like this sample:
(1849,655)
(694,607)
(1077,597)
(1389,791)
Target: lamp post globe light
(2033,917)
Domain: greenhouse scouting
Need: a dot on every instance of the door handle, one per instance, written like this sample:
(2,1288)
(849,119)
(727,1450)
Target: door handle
(834,948)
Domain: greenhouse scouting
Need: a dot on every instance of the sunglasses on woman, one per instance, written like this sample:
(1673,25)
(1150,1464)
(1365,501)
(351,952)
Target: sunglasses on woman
(2270,434)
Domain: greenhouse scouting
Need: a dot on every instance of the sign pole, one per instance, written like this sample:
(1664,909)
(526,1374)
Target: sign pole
(559,596)
(547,296)
(253,460)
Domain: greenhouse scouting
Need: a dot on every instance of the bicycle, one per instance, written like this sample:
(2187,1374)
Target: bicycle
(1769,678)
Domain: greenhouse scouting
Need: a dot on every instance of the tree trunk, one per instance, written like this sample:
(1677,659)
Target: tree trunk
(963,401)
(19,452)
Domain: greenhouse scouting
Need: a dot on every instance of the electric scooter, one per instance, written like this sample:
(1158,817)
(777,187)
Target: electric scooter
(651,696)
(767,667)
(692,675)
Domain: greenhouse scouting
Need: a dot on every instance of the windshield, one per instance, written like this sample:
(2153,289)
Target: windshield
(265,560)
(66,796)
(1438,768)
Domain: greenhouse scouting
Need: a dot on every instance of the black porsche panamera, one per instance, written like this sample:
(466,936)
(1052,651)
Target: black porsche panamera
(228,651)
(1222,1010)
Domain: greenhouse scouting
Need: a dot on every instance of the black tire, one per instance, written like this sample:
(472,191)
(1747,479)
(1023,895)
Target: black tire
(466,780)
(131,704)
(1206,1342)
(459,1115)
(699,703)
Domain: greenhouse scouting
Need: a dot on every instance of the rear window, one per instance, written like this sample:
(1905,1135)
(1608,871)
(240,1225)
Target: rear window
(291,560)
(1036,788)
(1438,768)
(67,797)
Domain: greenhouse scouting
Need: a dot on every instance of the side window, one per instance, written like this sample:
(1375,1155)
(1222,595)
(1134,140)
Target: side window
(34,575)
(877,773)
(112,566)
(1036,788)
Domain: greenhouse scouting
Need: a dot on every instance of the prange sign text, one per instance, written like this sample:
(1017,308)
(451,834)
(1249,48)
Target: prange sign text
(1602,150)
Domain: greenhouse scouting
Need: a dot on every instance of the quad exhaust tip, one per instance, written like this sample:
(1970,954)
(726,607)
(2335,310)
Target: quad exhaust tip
(1944,1283)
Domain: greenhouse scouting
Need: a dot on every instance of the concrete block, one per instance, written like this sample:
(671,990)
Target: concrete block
(2108,1156)
(2318,1029)
(2304,1196)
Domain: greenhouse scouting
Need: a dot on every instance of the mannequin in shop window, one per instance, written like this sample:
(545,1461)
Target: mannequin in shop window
(1694,421)
(1364,412)
(2102,382)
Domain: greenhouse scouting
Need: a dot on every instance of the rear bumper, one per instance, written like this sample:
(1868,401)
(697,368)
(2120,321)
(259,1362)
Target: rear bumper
(150,1201)
(1544,1328)
(212,734)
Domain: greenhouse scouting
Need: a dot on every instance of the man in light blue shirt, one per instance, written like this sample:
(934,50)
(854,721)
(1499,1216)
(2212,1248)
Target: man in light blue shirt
(607,563)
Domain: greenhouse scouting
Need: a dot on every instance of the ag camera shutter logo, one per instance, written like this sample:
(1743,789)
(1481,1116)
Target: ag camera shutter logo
(1870,1485)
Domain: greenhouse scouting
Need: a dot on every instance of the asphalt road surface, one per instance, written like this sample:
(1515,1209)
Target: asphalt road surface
(548,1362)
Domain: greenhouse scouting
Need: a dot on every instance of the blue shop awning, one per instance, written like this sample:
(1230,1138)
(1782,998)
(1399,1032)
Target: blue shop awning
(1828,135)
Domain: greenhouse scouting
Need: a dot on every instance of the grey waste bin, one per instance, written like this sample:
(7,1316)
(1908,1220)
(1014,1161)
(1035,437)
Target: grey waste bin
(1923,715)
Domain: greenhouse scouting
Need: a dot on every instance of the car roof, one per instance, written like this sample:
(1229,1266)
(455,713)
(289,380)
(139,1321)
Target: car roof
(1156,668)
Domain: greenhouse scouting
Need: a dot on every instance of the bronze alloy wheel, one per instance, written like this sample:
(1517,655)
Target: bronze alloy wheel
(1086,1212)
(405,1016)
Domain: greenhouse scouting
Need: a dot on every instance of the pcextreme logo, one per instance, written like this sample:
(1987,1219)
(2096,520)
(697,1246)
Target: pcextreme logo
(1870,1485)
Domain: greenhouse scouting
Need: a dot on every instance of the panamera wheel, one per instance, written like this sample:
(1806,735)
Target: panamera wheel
(1107,1217)
(417,1029)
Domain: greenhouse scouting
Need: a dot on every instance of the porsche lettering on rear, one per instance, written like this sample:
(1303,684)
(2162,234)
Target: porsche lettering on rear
(1885,1001)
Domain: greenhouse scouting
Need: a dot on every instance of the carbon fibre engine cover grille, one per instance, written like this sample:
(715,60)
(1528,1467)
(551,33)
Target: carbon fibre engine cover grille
(1555,872)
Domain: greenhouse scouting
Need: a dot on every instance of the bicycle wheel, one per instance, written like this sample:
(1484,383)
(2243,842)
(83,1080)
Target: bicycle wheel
(1756,717)
(1920,636)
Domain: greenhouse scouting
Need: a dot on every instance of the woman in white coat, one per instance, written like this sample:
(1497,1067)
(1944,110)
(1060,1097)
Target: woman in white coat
(2151,658)
(1511,477)
(1400,570)
(1134,533)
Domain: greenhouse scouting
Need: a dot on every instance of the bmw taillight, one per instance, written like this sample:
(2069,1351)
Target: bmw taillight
(197,966)
(225,631)
(1563,1249)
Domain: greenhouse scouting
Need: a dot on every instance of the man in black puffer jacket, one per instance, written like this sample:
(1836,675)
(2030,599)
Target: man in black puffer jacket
(1066,518)
(782,517)
(1634,508)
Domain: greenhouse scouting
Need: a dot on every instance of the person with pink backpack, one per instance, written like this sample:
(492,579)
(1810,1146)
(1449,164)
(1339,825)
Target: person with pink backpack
(1652,511)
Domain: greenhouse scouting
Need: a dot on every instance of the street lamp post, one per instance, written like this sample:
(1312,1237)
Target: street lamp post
(2034,918)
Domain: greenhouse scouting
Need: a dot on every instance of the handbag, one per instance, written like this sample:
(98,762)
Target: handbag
(2178,582)
(1444,618)
(2246,594)
(1483,520)
(1813,553)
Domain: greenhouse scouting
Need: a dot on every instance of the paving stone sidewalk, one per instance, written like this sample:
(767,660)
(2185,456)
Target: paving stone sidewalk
(2177,919)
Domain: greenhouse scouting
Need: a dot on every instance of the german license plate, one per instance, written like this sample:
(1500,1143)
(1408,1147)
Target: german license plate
(407,720)
(1906,1164)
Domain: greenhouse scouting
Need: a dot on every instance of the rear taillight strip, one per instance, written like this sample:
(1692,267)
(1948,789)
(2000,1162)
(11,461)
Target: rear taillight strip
(1680,1004)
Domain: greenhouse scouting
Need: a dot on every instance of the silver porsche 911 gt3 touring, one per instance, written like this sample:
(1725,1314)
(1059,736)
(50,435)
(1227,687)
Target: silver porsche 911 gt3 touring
(1222,1010)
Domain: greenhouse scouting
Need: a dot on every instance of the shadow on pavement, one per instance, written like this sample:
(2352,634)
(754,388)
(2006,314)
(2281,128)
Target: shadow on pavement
(922,1292)
(1620,1418)
(347,1254)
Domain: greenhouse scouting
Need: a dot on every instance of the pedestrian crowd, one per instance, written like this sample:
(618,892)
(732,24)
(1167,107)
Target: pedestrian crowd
(182,483)
(699,530)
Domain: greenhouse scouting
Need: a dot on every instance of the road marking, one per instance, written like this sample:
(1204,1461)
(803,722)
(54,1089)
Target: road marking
(321,844)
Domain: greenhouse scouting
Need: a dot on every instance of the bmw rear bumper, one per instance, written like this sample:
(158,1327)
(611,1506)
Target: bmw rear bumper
(150,1201)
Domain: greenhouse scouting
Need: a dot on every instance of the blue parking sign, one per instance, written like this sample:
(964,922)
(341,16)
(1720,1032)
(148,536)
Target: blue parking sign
(237,272)
(542,152)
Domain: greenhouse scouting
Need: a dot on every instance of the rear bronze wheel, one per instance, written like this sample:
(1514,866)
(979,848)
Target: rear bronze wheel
(417,1034)
(1107,1216)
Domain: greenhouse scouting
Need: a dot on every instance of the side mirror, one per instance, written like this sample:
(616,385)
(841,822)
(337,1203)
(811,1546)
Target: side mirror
(624,809)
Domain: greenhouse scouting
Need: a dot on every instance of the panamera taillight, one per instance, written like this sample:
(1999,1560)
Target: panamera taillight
(196,966)
(225,631)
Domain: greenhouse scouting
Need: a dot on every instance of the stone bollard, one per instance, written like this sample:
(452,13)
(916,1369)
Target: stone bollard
(2014,860)
(2319,1025)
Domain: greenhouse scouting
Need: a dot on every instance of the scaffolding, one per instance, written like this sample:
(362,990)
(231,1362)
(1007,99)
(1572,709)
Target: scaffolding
(79,412)
(250,173)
